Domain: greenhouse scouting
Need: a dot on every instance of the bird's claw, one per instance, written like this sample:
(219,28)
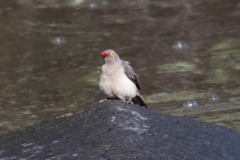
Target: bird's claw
(102,100)
(127,101)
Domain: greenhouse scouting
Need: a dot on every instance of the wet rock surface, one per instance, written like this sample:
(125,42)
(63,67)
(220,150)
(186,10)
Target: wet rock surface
(117,130)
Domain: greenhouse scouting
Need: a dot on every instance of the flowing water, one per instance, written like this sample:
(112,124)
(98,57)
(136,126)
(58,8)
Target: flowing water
(186,53)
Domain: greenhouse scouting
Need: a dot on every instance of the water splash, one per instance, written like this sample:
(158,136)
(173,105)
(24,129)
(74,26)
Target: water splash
(180,45)
(214,99)
(59,40)
(191,104)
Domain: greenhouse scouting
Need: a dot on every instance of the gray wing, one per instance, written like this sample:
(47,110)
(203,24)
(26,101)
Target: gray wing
(131,74)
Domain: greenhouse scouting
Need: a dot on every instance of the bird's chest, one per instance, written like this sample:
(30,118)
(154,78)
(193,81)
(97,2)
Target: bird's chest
(111,76)
(113,80)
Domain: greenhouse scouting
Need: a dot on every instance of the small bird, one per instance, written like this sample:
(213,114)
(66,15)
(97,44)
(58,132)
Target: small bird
(118,80)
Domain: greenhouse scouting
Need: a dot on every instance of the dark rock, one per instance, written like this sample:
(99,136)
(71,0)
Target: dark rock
(113,130)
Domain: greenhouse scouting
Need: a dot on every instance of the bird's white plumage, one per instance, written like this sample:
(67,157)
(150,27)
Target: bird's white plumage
(115,83)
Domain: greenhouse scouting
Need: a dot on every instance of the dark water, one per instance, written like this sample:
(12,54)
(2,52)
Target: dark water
(186,53)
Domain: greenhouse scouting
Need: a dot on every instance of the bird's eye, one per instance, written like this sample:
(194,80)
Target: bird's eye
(112,53)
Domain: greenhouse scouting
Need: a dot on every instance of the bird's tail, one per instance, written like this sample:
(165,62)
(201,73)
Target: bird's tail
(139,100)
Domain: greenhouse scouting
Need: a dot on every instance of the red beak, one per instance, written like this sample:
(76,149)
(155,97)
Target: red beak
(105,54)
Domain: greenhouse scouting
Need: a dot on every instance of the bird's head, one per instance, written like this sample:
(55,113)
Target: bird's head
(110,56)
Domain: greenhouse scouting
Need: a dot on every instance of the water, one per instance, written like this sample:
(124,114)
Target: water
(186,54)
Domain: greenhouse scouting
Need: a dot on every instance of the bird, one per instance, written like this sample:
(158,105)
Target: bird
(118,79)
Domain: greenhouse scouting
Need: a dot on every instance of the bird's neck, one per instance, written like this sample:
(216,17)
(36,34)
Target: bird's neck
(112,67)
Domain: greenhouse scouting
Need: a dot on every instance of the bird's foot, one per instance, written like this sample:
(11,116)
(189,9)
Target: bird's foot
(107,99)
(103,100)
(127,101)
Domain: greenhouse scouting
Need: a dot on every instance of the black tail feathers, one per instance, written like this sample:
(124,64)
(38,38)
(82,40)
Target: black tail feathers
(139,100)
